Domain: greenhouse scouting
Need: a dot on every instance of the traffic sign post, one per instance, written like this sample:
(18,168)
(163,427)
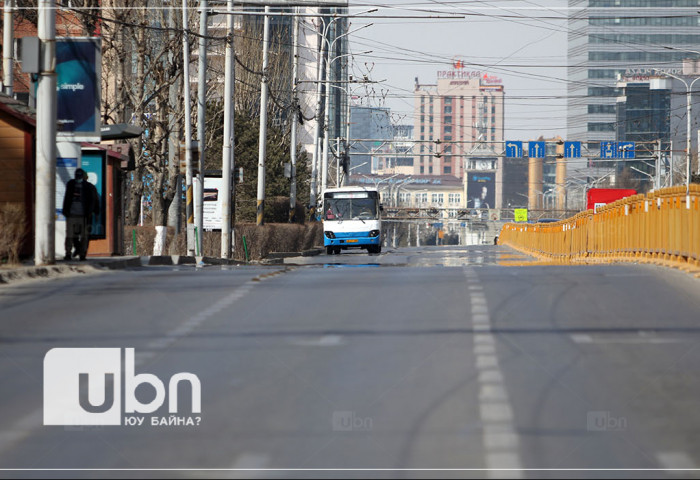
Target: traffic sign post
(617,150)
(572,149)
(536,149)
(514,149)
(608,149)
(626,150)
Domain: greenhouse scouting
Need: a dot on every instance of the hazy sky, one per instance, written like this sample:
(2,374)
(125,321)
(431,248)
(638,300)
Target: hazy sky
(523,42)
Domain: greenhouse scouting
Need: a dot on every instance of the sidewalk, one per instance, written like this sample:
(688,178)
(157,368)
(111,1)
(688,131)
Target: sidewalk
(27,271)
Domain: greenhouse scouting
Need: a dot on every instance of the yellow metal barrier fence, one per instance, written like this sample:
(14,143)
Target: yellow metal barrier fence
(660,226)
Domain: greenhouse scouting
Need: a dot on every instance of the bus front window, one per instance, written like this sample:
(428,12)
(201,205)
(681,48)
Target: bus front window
(337,209)
(364,208)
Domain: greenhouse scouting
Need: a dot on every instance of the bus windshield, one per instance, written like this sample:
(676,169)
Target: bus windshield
(351,209)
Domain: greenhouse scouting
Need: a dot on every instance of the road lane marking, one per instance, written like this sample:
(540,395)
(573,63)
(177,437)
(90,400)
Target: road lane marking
(496,413)
(485,349)
(491,376)
(492,392)
(634,340)
(499,437)
(484,362)
(13,435)
(324,341)
(251,461)
(27,425)
(678,461)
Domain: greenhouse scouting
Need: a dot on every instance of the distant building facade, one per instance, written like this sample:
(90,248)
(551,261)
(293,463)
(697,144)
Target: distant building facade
(628,40)
(464,108)
(370,132)
(397,156)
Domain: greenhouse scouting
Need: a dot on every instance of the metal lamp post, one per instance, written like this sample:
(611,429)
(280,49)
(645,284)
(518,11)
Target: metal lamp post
(688,93)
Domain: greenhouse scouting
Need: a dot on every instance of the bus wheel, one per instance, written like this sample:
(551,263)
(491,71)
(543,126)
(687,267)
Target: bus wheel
(336,250)
(329,250)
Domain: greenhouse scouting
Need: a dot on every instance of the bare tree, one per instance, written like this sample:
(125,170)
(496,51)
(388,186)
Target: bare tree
(139,68)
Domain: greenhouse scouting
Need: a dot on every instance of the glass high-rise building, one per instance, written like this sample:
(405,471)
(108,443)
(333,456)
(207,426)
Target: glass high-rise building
(613,39)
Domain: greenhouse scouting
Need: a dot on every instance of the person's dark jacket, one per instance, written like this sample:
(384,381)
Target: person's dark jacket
(88,197)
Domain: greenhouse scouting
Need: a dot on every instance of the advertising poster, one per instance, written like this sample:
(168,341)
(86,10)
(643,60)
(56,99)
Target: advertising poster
(212,202)
(78,88)
(481,189)
(93,163)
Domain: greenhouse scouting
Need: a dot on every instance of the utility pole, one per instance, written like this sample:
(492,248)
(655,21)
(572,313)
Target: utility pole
(295,117)
(313,202)
(174,137)
(262,142)
(201,116)
(227,160)
(189,209)
(337,161)
(326,121)
(45,223)
(657,173)
(7,44)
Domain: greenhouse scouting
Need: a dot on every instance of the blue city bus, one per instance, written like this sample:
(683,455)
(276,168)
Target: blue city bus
(352,219)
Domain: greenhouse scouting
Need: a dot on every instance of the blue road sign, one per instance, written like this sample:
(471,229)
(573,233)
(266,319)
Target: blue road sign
(514,149)
(572,149)
(535,149)
(625,149)
(608,150)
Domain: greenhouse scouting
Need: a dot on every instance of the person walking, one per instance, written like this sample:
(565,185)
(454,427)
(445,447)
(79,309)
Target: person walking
(79,204)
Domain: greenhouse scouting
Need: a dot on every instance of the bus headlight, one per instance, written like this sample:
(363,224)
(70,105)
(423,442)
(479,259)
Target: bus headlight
(330,235)
(374,233)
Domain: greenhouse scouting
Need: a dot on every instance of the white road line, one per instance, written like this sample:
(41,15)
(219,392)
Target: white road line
(484,362)
(493,392)
(641,340)
(491,376)
(483,338)
(14,434)
(485,349)
(677,461)
(251,460)
(492,412)
(499,462)
(500,439)
(324,341)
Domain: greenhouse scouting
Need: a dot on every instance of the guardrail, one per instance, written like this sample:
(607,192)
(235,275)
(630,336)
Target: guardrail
(660,226)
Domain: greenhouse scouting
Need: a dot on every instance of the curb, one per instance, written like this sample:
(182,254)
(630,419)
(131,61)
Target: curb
(35,273)
(31,272)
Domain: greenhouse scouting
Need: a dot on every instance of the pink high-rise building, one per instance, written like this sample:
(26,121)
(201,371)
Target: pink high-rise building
(458,116)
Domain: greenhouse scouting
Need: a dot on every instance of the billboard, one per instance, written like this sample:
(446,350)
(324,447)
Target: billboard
(93,162)
(212,211)
(481,189)
(598,197)
(78,61)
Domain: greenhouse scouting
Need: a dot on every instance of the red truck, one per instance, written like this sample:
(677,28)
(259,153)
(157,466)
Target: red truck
(597,197)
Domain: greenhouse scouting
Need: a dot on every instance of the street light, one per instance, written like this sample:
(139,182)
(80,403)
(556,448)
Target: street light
(326,118)
(357,166)
(399,186)
(688,93)
(317,126)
